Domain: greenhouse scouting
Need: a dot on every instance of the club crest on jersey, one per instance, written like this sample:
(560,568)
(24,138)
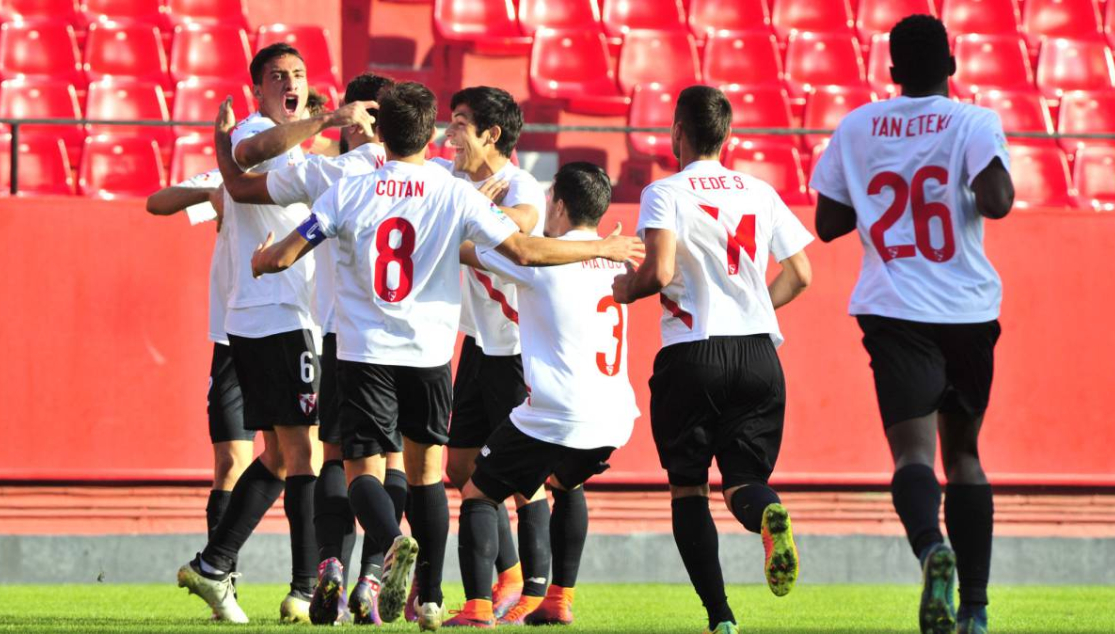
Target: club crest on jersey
(308,403)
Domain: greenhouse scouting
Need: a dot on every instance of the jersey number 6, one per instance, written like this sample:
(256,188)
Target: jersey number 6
(743,239)
(922,212)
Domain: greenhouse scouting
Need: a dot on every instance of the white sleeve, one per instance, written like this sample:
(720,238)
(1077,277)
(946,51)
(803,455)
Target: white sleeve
(443,163)
(327,211)
(828,175)
(526,191)
(788,236)
(247,129)
(986,142)
(288,185)
(205,180)
(657,210)
(506,269)
(482,222)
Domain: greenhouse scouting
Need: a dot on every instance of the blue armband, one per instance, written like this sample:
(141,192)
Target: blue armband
(310,229)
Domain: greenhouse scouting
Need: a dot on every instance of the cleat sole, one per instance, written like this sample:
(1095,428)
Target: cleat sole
(393,593)
(782,563)
(937,614)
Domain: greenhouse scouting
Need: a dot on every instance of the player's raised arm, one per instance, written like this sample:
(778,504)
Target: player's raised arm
(655,272)
(994,190)
(527,250)
(243,187)
(277,140)
(170,200)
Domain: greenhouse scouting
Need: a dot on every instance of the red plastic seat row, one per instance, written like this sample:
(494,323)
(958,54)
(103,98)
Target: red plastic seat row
(153,12)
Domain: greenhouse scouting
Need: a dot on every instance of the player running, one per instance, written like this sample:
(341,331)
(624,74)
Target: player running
(717,388)
(398,306)
(916,175)
(580,406)
(303,183)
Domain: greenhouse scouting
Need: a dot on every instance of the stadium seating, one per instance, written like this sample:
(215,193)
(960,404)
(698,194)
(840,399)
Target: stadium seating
(991,61)
(41,48)
(622,16)
(656,56)
(760,107)
(44,168)
(1020,111)
(652,105)
(153,12)
(210,50)
(113,99)
(193,155)
(817,16)
(1065,65)
(125,50)
(981,16)
(1109,23)
(1041,176)
(573,65)
(750,58)
(1087,112)
(44,98)
(231,13)
(826,107)
(61,10)
(558,14)
(312,42)
(197,99)
(878,66)
(1092,173)
(488,25)
(879,16)
(1079,19)
(120,167)
(709,16)
(819,59)
(775,163)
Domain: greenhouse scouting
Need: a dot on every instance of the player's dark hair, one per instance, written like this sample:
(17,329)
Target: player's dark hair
(586,191)
(493,107)
(367,87)
(407,113)
(705,116)
(315,102)
(919,52)
(266,54)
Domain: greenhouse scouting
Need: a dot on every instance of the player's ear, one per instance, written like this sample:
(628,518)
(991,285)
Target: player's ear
(494,133)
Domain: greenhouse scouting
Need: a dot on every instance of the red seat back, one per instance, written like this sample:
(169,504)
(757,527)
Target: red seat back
(817,16)
(42,48)
(198,98)
(44,98)
(1041,176)
(776,164)
(193,155)
(120,167)
(1092,174)
(312,42)
(709,16)
(991,61)
(750,58)
(44,168)
(657,56)
(621,16)
(880,16)
(981,16)
(1087,113)
(558,14)
(125,50)
(1065,65)
(822,59)
(570,63)
(210,50)
(127,100)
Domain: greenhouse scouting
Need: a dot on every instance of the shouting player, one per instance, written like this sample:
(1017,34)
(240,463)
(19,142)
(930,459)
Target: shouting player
(717,388)
(398,293)
(303,183)
(916,175)
(580,407)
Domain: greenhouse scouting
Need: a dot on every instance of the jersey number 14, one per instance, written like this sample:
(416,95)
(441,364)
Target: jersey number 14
(742,240)
(923,211)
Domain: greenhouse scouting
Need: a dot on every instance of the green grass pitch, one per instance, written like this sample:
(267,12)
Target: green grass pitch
(600,609)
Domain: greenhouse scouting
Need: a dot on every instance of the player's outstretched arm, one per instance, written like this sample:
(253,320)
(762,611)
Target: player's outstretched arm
(833,219)
(994,190)
(243,187)
(171,200)
(277,140)
(525,216)
(796,276)
(527,250)
(280,256)
(655,272)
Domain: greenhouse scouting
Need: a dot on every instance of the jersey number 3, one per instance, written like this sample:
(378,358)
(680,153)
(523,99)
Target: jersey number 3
(742,240)
(922,211)
(398,255)
(611,369)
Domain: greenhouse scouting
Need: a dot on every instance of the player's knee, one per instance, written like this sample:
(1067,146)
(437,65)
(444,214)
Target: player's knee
(964,468)
(458,473)
(678,492)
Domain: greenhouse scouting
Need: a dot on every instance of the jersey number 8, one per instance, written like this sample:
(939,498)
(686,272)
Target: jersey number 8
(922,211)
(398,255)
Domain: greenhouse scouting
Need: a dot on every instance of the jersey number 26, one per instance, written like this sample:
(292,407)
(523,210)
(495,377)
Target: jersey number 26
(923,211)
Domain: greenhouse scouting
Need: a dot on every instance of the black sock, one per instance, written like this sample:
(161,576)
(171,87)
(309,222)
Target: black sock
(534,546)
(215,508)
(917,499)
(476,547)
(395,481)
(299,506)
(254,493)
(508,554)
(699,545)
(568,531)
(430,528)
(372,556)
(372,507)
(969,512)
(749,502)
(334,522)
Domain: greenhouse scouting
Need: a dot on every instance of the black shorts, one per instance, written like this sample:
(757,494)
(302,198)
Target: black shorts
(225,403)
(724,397)
(513,462)
(922,368)
(382,403)
(485,391)
(279,377)
(329,398)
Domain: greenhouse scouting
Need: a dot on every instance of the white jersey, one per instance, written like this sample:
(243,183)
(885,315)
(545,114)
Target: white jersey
(489,304)
(906,166)
(399,233)
(270,304)
(304,183)
(574,351)
(727,225)
(219,265)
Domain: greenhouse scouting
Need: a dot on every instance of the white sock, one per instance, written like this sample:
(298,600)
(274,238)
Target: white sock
(207,569)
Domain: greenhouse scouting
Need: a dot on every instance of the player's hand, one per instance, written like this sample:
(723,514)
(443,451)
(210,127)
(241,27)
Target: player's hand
(258,262)
(354,114)
(622,283)
(620,248)
(495,189)
(226,119)
(217,199)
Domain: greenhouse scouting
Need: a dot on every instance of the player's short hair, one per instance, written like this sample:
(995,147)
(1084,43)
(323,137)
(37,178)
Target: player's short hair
(586,191)
(491,107)
(266,54)
(407,113)
(705,116)
(367,87)
(919,52)
(315,102)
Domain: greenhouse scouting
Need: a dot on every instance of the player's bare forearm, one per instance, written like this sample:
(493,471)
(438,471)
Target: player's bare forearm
(468,256)
(171,200)
(525,216)
(796,276)
(994,191)
(278,140)
(527,250)
(834,219)
(280,256)
(655,272)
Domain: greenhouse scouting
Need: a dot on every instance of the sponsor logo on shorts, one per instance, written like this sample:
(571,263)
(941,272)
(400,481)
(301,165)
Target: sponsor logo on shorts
(308,403)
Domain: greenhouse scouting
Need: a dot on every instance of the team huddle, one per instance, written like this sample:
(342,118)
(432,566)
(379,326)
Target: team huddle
(340,281)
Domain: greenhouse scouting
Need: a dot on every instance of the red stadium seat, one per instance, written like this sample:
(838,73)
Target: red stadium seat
(312,42)
(573,65)
(822,59)
(878,66)
(60,10)
(44,98)
(879,16)
(1041,176)
(981,16)
(487,25)
(197,99)
(709,16)
(1065,65)
(622,16)
(1092,172)
(120,167)
(44,168)
(126,100)
(652,105)
(1078,19)
(742,58)
(153,12)
(558,14)
(827,106)
(1087,112)
(1020,111)
(228,12)
(656,56)
(777,164)
(1109,23)
(760,107)
(817,16)
(193,155)
(210,50)
(125,50)
(43,48)
(991,61)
